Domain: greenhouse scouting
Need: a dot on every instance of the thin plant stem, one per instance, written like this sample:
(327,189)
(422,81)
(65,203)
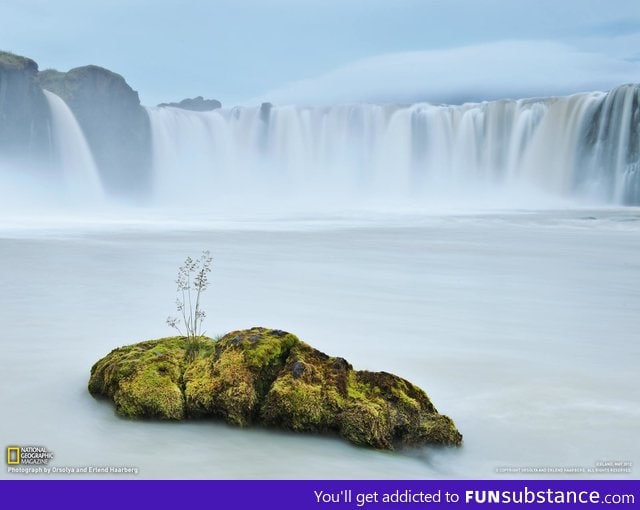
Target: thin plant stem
(190,326)
(191,283)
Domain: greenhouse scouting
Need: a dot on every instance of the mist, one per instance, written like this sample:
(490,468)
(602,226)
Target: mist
(499,70)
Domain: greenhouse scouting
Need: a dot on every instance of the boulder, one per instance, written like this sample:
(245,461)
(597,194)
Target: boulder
(269,377)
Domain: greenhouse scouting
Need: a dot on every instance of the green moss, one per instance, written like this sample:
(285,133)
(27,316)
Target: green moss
(384,410)
(400,392)
(438,429)
(366,419)
(199,388)
(296,405)
(220,384)
(367,424)
(143,379)
(309,393)
(268,376)
(198,347)
(359,390)
(152,392)
(233,384)
(265,353)
(262,347)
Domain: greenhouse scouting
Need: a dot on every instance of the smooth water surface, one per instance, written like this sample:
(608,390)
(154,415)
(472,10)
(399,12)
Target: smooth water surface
(523,327)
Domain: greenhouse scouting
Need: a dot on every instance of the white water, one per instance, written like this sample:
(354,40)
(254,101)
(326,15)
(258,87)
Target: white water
(82,182)
(584,146)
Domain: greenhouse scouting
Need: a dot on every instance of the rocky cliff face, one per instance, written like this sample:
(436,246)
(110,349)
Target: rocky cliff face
(115,124)
(24,112)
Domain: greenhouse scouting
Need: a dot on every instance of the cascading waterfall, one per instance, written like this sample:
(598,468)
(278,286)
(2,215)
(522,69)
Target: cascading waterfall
(586,145)
(81,175)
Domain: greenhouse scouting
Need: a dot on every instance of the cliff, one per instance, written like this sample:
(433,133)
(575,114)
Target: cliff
(24,111)
(115,124)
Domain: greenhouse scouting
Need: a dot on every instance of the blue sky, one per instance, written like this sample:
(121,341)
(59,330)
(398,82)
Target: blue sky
(324,51)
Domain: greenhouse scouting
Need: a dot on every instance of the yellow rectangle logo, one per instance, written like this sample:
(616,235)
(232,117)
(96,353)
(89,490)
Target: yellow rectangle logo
(13,455)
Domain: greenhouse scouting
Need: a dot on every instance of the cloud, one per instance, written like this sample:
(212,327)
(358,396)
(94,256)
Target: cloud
(505,69)
(615,27)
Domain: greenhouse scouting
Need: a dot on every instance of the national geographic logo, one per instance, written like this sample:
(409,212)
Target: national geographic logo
(20,455)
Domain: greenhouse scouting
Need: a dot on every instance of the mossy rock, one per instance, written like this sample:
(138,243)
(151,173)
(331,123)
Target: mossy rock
(270,377)
(143,379)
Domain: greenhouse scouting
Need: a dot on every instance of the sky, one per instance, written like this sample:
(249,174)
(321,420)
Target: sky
(332,51)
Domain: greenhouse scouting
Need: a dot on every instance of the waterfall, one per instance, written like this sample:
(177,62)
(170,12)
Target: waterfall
(73,155)
(585,145)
